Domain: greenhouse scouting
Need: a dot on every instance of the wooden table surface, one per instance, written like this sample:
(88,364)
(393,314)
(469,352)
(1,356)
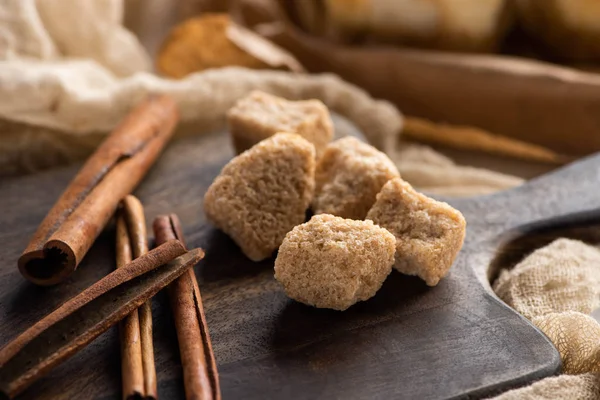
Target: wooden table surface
(409,341)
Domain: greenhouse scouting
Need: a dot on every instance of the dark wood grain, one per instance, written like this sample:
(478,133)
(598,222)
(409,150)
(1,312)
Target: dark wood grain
(409,341)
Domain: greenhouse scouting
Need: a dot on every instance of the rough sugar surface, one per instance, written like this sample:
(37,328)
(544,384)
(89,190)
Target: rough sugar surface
(429,233)
(331,262)
(260,115)
(263,193)
(348,178)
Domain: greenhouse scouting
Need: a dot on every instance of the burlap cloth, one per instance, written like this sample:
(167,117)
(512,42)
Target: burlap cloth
(556,287)
(69,72)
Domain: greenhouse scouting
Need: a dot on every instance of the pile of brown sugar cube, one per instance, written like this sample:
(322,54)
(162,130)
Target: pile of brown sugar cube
(366,221)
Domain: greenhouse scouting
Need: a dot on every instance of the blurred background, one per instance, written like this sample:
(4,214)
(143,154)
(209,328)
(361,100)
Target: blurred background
(507,88)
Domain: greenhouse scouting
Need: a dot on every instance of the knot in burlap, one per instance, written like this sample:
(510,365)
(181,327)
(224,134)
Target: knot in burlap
(577,338)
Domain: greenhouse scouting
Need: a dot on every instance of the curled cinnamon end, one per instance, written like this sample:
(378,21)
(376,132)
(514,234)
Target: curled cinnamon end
(50,265)
(81,319)
(85,207)
(167,227)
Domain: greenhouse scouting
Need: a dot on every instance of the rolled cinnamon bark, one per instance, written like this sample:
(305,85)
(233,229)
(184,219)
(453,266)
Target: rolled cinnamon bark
(200,375)
(137,350)
(84,208)
(149,369)
(129,329)
(475,139)
(81,319)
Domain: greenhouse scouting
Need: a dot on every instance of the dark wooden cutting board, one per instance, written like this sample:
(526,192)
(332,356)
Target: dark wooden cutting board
(409,341)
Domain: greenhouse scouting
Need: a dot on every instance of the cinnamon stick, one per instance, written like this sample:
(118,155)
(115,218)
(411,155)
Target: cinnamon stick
(145,316)
(84,317)
(129,329)
(113,171)
(137,350)
(475,139)
(200,375)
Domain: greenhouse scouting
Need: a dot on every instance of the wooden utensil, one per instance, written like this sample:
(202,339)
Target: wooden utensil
(537,102)
(410,341)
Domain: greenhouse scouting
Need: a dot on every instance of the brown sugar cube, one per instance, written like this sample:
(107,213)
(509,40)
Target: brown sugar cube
(331,262)
(429,233)
(260,115)
(263,193)
(348,178)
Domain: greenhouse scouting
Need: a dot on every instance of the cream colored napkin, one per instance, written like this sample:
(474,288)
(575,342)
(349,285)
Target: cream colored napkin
(50,30)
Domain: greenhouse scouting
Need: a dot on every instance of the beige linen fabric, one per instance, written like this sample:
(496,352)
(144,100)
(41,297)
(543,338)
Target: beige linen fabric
(49,30)
(556,287)
(435,173)
(79,98)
